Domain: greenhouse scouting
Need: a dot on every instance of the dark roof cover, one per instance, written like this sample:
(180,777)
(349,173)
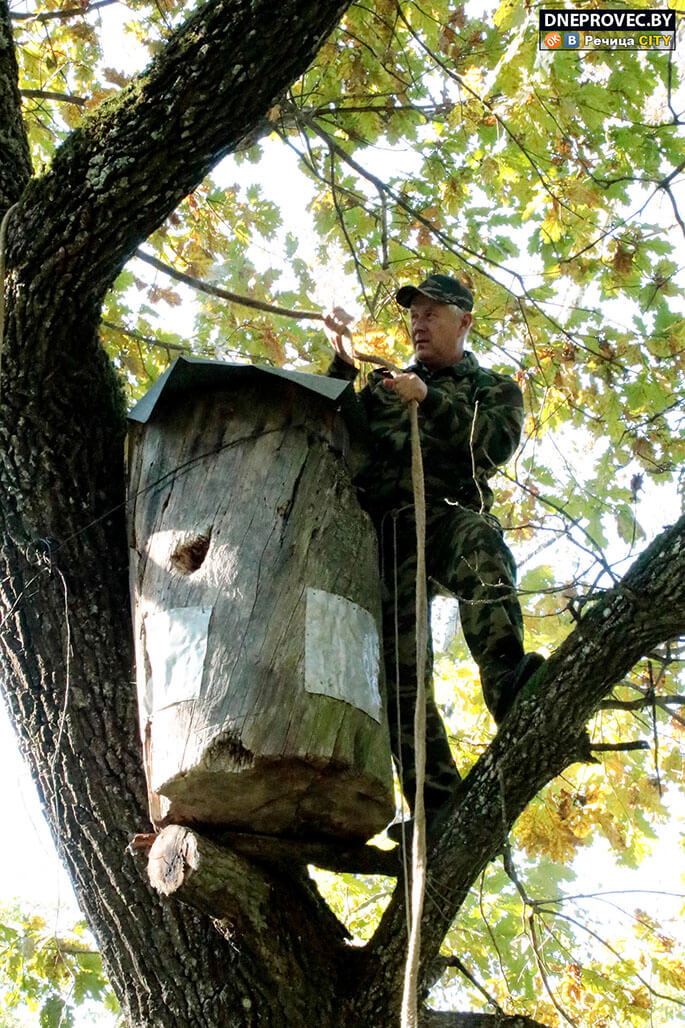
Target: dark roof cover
(188,374)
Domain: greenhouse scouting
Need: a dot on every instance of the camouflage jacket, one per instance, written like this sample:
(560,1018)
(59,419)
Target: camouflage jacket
(470,422)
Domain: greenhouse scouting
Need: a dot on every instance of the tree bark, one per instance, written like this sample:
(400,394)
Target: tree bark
(543,734)
(444,1019)
(275,914)
(15,162)
(65,640)
(66,632)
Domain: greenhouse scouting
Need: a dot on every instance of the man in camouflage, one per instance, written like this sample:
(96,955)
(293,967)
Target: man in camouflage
(470,422)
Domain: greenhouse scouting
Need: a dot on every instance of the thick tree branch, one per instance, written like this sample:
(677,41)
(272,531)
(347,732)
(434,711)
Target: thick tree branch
(330,855)
(619,747)
(543,734)
(284,927)
(224,294)
(43,94)
(275,851)
(130,163)
(444,1019)
(15,159)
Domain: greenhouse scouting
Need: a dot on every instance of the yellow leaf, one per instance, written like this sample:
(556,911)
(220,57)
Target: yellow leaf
(117,78)
(169,296)
(578,192)
(72,115)
(273,345)
(97,98)
(641,999)
(673,974)
(551,227)
(622,261)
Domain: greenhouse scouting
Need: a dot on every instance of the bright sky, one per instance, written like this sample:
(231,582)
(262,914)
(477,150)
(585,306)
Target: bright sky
(30,867)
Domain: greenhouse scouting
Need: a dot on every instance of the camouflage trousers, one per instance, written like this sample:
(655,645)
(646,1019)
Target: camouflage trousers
(467,557)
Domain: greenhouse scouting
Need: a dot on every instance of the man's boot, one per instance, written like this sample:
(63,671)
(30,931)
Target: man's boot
(511,684)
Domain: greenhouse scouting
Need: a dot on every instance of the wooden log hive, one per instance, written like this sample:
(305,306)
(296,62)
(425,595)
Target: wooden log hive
(256,600)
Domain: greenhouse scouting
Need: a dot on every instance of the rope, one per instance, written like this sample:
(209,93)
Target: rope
(409,1017)
(398,715)
(409,1012)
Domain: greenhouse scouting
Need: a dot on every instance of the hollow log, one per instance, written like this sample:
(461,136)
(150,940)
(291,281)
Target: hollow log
(256,599)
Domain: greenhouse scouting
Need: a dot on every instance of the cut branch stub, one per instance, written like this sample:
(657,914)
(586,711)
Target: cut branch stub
(257,611)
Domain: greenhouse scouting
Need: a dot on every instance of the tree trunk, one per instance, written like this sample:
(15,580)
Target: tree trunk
(65,645)
(66,630)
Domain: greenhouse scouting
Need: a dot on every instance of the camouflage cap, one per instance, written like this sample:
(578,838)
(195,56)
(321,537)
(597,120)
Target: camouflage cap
(438,287)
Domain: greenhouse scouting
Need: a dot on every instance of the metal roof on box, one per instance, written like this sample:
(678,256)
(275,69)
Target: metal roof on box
(188,374)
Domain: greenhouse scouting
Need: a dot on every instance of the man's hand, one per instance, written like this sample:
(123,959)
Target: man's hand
(408,386)
(335,326)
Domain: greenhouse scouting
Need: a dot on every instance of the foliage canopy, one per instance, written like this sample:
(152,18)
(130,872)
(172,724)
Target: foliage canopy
(48,974)
(432,137)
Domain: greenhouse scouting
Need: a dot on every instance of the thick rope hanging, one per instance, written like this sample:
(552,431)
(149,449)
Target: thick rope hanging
(409,1017)
(409,1014)
(398,707)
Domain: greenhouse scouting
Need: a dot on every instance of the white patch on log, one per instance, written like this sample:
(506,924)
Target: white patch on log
(176,643)
(342,652)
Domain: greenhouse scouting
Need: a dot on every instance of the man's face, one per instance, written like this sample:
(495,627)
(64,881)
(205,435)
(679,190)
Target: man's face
(437,331)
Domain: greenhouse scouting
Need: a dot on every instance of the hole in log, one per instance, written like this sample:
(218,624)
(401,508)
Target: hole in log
(226,752)
(188,556)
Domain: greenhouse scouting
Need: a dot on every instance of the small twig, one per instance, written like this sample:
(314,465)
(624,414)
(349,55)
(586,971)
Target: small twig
(43,94)
(618,747)
(358,266)
(385,262)
(490,932)
(455,962)
(669,193)
(62,15)
(543,970)
(619,956)
(601,896)
(644,701)
(140,338)
(372,358)
(596,553)
(474,474)
(529,921)
(649,698)
(669,88)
